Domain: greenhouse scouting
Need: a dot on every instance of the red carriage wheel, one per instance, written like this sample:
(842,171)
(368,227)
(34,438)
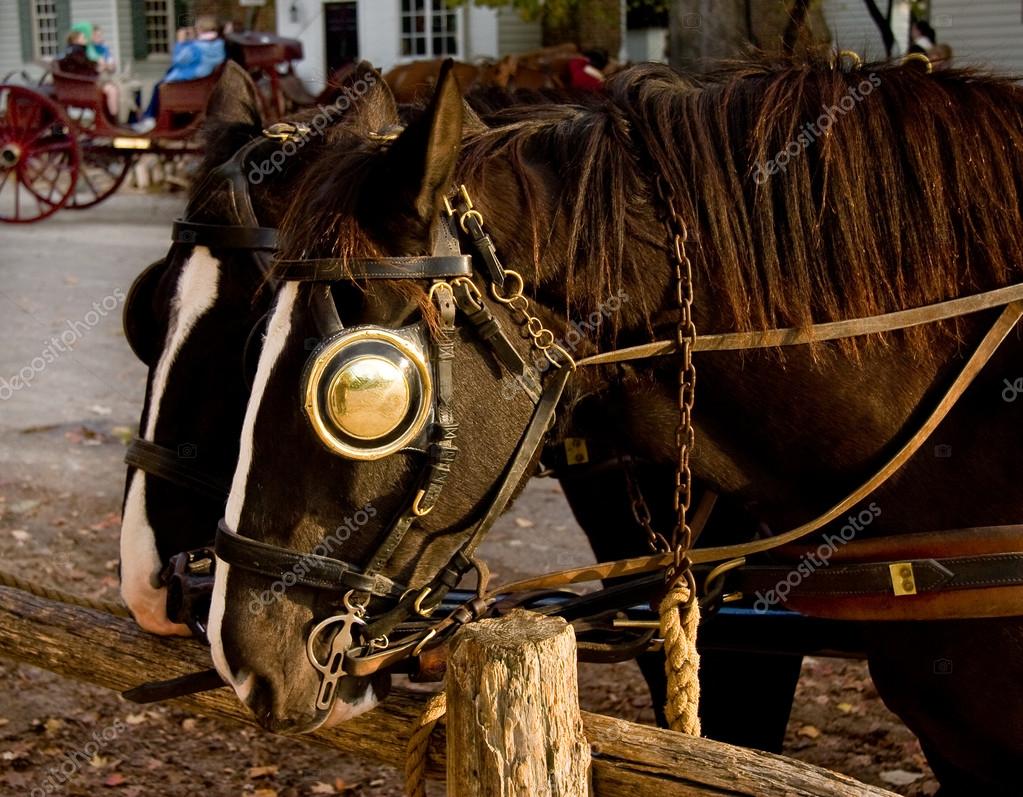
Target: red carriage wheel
(38,156)
(100,173)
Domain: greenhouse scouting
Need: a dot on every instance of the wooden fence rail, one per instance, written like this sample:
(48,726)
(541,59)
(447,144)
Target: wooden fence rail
(628,760)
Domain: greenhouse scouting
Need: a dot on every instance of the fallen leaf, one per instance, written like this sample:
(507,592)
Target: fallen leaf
(20,535)
(845,708)
(53,725)
(524,523)
(322,788)
(263,772)
(98,761)
(265,793)
(114,780)
(189,724)
(809,731)
(135,719)
(900,777)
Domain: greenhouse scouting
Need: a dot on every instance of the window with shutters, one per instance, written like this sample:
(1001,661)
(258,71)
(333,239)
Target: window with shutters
(429,29)
(47,38)
(160,29)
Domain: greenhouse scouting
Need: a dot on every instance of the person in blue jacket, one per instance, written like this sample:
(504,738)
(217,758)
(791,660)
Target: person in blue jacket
(197,54)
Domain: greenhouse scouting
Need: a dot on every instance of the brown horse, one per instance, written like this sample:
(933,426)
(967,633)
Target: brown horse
(887,188)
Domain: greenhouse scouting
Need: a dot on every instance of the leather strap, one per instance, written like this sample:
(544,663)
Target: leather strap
(425,267)
(166,464)
(224,236)
(460,563)
(875,578)
(309,570)
(645,564)
(818,333)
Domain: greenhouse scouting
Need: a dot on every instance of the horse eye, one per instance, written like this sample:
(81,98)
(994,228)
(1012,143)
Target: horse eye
(368,391)
(369,396)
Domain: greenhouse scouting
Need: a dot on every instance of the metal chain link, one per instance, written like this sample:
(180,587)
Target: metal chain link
(685,339)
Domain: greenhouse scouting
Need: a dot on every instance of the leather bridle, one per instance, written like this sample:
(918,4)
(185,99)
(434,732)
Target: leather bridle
(361,588)
(357,588)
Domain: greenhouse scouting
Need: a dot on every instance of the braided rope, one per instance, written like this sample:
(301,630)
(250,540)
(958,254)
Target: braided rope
(417,750)
(681,659)
(54,594)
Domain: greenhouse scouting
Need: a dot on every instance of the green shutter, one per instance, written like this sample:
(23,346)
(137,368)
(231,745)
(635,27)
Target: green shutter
(28,48)
(140,47)
(182,16)
(63,21)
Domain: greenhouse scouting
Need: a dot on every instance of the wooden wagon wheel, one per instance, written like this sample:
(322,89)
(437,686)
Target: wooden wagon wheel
(101,171)
(39,157)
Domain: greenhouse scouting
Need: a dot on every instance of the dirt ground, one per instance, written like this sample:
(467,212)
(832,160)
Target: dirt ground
(61,444)
(69,539)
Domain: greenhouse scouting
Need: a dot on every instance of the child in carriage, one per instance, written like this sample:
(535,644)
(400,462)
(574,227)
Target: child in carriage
(197,54)
(81,58)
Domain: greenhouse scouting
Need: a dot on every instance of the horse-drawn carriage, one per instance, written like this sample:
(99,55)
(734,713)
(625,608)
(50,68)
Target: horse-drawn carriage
(61,148)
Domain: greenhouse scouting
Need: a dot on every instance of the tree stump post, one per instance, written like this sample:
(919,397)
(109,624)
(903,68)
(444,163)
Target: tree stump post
(513,722)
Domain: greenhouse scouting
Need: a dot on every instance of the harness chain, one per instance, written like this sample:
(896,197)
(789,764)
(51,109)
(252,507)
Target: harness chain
(679,610)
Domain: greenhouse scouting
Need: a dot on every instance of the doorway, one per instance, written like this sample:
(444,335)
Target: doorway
(341,35)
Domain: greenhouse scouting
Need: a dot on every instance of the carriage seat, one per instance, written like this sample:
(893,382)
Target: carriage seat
(77,91)
(183,102)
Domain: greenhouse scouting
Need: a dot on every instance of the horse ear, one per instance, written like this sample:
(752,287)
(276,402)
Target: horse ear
(362,86)
(235,100)
(420,165)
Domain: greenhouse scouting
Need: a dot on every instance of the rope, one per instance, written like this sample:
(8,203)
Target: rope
(417,750)
(681,659)
(53,594)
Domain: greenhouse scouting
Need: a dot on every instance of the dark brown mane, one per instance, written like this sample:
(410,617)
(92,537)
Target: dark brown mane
(911,196)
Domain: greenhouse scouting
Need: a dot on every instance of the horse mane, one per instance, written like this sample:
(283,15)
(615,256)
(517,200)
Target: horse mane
(909,195)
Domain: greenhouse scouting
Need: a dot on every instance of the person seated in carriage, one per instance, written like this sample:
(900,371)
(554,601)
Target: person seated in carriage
(197,54)
(82,58)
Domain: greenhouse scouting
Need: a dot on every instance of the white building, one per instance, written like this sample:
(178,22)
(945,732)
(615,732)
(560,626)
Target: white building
(390,32)
(140,33)
(853,29)
(987,33)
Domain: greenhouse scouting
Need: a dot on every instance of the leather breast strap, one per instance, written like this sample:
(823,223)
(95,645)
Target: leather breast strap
(168,465)
(378,268)
(309,570)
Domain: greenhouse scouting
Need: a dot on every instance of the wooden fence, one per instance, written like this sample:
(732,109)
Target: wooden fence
(491,669)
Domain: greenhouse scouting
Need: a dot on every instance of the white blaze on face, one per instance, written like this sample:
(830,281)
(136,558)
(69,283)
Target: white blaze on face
(273,345)
(140,562)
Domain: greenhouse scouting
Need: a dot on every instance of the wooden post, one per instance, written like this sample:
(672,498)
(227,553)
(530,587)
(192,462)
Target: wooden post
(513,721)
